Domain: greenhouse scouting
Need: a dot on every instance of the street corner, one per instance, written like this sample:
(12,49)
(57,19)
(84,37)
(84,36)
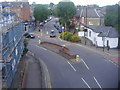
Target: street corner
(115,60)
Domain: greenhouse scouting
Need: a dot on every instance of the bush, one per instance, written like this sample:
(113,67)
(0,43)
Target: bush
(75,38)
(69,37)
(63,35)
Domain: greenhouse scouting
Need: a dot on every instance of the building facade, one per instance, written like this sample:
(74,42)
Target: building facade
(102,36)
(12,28)
(87,15)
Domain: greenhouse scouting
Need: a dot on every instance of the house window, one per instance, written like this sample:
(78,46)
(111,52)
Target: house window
(90,23)
(82,19)
(89,33)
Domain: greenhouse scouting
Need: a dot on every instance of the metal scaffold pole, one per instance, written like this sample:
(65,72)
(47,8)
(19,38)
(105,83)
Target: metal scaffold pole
(0,49)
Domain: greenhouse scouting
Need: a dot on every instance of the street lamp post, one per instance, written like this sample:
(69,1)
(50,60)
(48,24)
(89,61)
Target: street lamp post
(103,38)
(85,30)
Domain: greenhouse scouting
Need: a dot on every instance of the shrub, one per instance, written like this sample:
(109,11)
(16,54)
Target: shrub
(69,37)
(75,38)
(63,35)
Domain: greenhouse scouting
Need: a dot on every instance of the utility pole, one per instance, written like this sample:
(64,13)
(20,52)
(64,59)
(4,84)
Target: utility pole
(0,48)
(86,15)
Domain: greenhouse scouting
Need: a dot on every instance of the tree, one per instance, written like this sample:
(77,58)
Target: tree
(112,18)
(51,5)
(41,12)
(66,11)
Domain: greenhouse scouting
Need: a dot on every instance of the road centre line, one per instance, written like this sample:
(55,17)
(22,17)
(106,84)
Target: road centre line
(41,47)
(86,83)
(71,66)
(97,83)
(85,64)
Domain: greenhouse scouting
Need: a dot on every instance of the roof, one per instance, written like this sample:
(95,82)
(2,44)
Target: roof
(105,31)
(91,12)
(78,12)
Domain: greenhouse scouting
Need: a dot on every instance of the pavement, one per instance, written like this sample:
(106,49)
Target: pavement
(30,70)
(33,73)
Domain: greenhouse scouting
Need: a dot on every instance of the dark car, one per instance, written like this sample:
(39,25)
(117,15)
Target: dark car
(56,26)
(52,33)
(29,35)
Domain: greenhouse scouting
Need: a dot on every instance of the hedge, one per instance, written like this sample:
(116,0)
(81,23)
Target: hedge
(70,37)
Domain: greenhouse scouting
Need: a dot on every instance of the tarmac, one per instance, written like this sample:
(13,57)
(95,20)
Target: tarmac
(111,54)
(29,67)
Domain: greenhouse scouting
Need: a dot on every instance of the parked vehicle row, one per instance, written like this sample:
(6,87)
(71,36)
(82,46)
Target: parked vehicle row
(43,23)
(29,35)
(59,28)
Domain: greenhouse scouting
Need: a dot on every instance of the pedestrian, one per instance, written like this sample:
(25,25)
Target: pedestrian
(108,47)
(39,30)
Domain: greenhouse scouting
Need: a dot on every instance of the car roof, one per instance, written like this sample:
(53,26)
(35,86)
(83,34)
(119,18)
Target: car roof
(52,30)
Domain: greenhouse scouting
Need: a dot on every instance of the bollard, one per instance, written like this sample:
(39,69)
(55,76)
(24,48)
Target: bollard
(77,57)
(39,41)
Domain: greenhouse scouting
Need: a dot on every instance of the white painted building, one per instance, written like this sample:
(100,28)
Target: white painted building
(102,36)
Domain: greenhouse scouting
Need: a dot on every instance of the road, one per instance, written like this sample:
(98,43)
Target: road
(94,71)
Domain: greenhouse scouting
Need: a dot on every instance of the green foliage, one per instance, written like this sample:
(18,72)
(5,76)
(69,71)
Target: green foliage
(71,26)
(75,38)
(111,17)
(41,12)
(69,37)
(25,45)
(66,11)
(55,12)
(51,5)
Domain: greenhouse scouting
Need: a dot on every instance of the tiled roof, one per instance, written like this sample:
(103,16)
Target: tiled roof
(105,31)
(91,12)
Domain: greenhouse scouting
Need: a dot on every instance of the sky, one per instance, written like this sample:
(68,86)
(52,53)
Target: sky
(76,2)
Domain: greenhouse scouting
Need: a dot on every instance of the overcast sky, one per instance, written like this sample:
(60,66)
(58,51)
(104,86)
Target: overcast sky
(76,2)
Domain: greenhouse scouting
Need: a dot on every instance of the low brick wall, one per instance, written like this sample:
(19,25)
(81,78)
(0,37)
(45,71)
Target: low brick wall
(64,51)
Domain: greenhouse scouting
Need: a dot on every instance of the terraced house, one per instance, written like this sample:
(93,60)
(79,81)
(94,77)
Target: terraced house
(12,28)
(88,15)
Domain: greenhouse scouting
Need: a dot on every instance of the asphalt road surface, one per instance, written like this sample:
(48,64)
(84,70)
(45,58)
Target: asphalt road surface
(94,70)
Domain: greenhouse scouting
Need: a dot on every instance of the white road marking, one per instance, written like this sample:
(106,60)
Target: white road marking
(86,83)
(85,64)
(41,47)
(71,66)
(97,83)
(63,45)
(47,32)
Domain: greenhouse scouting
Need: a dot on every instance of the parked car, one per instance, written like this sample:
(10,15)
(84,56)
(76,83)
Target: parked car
(42,23)
(52,33)
(56,26)
(29,35)
(59,28)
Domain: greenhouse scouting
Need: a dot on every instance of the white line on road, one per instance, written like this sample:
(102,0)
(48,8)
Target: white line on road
(41,47)
(86,83)
(85,64)
(97,83)
(71,66)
